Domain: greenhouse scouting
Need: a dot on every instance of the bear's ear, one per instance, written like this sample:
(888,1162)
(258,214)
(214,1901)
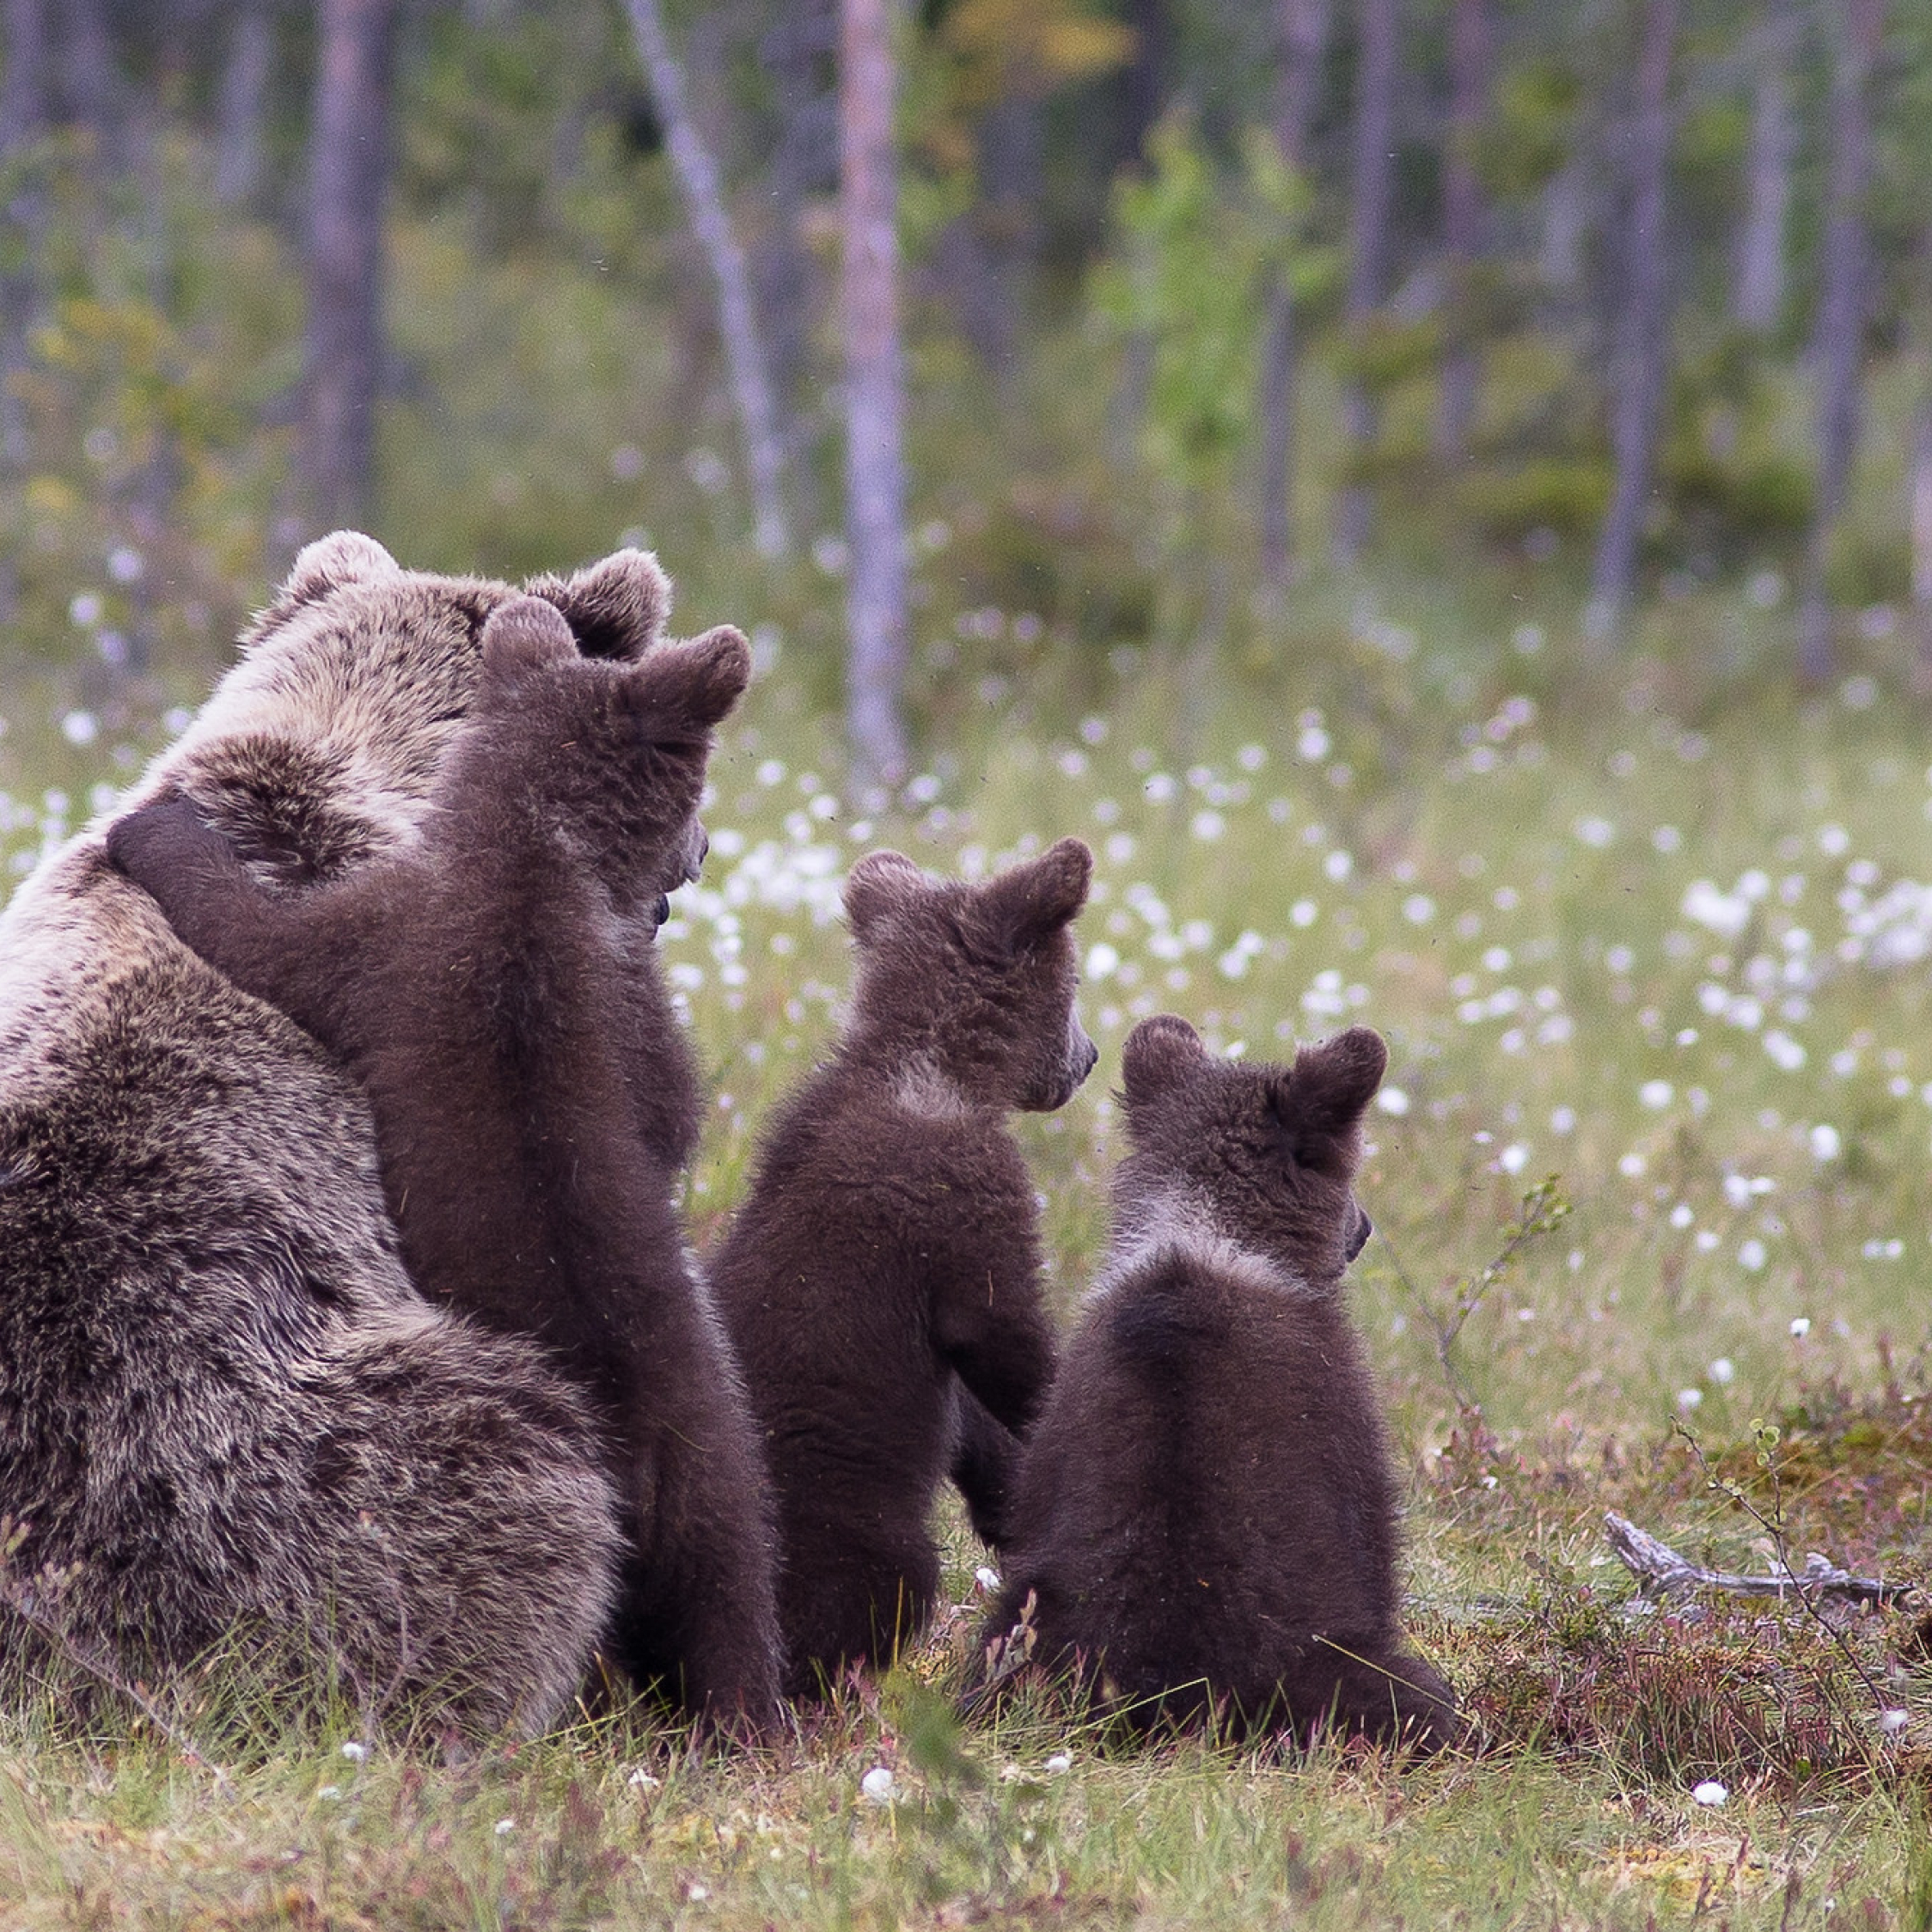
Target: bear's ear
(880,884)
(522,634)
(689,687)
(1159,1054)
(1320,1101)
(1031,902)
(328,563)
(616,607)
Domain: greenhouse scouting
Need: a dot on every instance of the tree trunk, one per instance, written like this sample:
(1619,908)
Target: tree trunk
(1919,511)
(1757,298)
(23,119)
(1641,350)
(1843,282)
(1461,219)
(796,53)
(874,461)
(1144,80)
(1303,25)
(91,78)
(710,222)
(1368,249)
(251,52)
(348,174)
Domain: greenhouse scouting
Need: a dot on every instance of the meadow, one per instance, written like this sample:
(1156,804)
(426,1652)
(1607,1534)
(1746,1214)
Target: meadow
(1650,941)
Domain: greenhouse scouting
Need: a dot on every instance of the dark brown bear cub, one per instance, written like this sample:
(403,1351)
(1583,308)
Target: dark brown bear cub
(533,1095)
(881,1281)
(1205,1514)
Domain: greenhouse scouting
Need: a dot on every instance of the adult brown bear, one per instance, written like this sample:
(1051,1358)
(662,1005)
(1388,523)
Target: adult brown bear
(222,1402)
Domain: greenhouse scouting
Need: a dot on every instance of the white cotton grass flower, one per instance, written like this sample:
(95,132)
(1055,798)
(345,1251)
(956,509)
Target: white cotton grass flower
(1801,1327)
(1892,1721)
(876,1787)
(1751,1255)
(641,1780)
(1656,1094)
(355,1752)
(505,1826)
(1060,1761)
(986,1580)
(1825,1141)
(1723,1371)
(1393,1100)
(1690,1399)
(1710,1792)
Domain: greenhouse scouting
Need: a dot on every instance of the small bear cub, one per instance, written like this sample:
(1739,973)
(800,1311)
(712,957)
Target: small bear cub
(493,987)
(1205,1515)
(881,1281)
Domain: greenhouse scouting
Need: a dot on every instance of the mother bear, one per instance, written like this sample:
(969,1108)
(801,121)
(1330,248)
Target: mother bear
(222,1402)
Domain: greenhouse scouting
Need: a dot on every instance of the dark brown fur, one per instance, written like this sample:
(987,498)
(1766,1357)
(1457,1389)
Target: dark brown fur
(534,1096)
(1206,1514)
(881,1280)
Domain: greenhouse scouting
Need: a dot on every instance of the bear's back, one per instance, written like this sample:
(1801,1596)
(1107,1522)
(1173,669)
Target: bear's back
(1207,1487)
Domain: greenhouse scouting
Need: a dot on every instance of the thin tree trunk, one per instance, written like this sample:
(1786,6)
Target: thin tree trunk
(710,222)
(349,171)
(251,50)
(1461,219)
(1303,25)
(1844,275)
(1919,512)
(23,119)
(1368,249)
(1565,214)
(1642,324)
(874,461)
(1144,79)
(91,78)
(796,53)
(1757,298)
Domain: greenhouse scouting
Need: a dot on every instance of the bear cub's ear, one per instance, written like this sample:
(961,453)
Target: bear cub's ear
(686,689)
(1160,1053)
(617,608)
(879,885)
(1321,1100)
(1030,903)
(524,634)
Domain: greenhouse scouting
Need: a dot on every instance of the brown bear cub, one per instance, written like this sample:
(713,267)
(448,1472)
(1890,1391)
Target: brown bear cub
(881,1281)
(1205,1516)
(533,1095)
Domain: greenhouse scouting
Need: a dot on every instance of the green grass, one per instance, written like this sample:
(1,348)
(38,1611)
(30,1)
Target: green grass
(1556,1007)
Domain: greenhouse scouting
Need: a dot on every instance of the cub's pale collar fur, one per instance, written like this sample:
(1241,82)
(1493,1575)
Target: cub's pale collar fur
(921,1089)
(1182,1225)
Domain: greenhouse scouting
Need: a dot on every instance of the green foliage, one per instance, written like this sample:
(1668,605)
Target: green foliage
(1198,254)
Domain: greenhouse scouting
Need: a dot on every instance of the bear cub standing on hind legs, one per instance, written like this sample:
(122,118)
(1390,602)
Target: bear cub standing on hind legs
(533,1095)
(881,1281)
(1205,1517)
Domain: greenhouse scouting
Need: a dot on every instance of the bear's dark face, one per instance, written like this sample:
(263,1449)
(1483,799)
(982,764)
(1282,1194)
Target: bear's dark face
(973,984)
(1260,1155)
(612,755)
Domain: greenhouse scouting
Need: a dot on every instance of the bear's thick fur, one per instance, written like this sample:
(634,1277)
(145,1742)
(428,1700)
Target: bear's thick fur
(222,1399)
(1205,1513)
(533,1097)
(881,1280)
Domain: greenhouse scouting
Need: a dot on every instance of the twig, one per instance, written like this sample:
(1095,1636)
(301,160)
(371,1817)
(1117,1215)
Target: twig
(26,1605)
(1660,1571)
(1542,1208)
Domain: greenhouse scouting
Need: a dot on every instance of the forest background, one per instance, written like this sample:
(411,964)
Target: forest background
(1440,493)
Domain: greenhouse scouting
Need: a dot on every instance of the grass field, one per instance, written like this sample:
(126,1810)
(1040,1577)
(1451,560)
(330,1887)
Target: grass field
(1660,936)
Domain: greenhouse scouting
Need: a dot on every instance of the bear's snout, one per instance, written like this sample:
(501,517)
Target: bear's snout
(1358,1238)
